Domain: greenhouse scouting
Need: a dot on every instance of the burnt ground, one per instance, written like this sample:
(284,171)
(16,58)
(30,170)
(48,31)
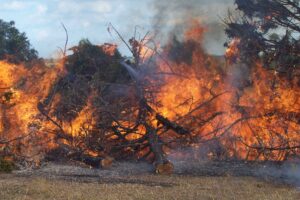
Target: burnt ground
(286,173)
(136,180)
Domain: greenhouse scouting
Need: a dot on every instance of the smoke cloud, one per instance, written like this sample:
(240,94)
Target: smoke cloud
(173,17)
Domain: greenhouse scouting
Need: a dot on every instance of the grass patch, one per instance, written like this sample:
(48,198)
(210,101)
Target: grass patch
(148,187)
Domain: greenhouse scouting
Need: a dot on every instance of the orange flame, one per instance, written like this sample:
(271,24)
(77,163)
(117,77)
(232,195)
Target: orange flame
(262,114)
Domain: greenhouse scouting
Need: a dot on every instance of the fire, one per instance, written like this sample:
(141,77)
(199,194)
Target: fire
(232,52)
(195,87)
(146,52)
(19,115)
(109,49)
(263,114)
(21,89)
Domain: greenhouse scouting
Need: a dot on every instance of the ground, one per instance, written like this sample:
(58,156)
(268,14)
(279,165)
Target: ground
(127,180)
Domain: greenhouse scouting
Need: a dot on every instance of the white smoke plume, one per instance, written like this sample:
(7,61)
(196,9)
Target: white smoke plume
(173,17)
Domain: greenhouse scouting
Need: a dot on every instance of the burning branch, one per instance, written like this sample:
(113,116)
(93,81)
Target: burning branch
(105,105)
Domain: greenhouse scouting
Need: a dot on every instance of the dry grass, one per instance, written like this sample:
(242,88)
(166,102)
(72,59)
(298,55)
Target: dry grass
(143,187)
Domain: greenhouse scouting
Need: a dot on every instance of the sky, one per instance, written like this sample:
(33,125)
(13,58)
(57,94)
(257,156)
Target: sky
(41,19)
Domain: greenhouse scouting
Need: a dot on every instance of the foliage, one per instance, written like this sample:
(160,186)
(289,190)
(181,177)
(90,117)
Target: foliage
(268,31)
(94,80)
(6,166)
(182,51)
(14,45)
(89,68)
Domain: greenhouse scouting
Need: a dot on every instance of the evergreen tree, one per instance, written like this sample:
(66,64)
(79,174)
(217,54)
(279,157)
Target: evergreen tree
(14,45)
(268,30)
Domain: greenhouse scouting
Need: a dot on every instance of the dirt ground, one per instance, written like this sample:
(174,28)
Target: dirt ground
(129,180)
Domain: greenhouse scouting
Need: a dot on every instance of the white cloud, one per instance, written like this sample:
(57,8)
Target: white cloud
(41,9)
(42,35)
(101,7)
(86,24)
(14,5)
(68,6)
(75,7)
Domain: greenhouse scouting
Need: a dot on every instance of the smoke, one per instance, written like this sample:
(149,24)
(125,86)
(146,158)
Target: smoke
(173,17)
(196,161)
(288,172)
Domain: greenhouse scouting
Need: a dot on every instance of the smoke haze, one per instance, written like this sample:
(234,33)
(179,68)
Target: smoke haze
(173,18)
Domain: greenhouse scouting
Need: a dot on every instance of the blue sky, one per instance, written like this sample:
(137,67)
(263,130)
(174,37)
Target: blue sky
(41,19)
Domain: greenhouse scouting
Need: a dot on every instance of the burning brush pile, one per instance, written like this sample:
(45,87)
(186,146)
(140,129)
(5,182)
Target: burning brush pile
(95,106)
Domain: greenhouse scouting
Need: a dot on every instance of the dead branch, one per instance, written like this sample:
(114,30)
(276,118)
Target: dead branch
(60,134)
(67,39)
(265,148)
(6,142)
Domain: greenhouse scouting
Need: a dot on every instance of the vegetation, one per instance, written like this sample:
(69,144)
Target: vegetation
(268,30)
(14,45)
(94,77)
(6,166)
(89,69)
(146,187)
